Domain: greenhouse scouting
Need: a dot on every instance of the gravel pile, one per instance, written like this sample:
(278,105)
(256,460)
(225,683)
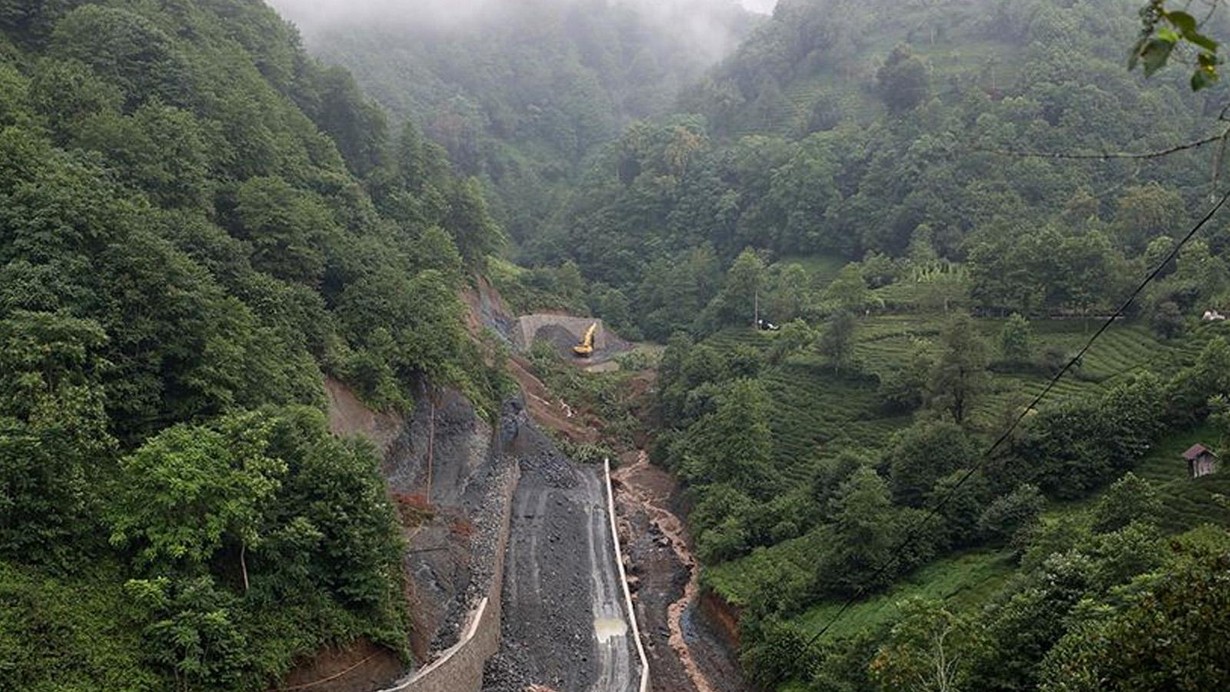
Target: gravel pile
(549,469)
(506,672)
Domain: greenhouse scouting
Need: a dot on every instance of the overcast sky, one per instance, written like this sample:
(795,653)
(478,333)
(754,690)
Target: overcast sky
(314,14)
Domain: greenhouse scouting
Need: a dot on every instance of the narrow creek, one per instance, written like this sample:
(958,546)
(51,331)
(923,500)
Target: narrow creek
(644,495)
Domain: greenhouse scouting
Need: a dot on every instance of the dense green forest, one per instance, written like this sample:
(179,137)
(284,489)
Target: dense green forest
(861,173)
(198,222)
(871,205)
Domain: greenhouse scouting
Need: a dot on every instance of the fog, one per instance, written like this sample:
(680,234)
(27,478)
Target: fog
(314,16)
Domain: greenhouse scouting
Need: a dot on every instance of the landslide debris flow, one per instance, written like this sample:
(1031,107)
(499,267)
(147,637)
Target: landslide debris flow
(685,653)
(564,625)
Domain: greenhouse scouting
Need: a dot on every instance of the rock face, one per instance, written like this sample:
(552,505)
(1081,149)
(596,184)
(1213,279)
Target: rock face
(448,472)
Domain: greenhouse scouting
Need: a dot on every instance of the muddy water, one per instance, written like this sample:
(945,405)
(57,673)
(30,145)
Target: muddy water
(644,495)
(606,628)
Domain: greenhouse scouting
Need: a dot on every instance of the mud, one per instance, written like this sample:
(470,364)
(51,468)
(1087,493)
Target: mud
(360,667)
(685,652)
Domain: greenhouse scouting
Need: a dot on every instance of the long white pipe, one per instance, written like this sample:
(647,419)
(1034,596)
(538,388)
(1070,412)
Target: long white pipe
(623,577)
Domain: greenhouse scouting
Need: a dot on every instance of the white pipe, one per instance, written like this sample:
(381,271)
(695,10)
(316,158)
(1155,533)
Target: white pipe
(623,577)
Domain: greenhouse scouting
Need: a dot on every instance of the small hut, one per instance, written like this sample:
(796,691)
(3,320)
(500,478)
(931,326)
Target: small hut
(1201,461)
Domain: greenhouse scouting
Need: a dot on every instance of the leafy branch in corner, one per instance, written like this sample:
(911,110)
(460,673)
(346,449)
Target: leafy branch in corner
(1161,31)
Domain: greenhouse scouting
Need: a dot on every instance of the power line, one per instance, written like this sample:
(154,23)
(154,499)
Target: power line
(986,456)
(1107,155)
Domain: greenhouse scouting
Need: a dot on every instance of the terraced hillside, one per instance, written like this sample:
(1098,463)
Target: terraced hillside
(817,412)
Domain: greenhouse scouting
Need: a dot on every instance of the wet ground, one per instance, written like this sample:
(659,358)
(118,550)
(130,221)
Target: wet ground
(564,622)
(685,653)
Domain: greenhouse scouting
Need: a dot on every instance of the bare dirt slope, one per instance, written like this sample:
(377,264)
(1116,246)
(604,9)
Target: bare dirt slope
(564,622)
(350,416)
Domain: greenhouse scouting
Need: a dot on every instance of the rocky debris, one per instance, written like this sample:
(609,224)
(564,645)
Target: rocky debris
(550,470)
(548,633)
(485,508)
(506,672)
(559,337)
(658,548)
(449,465)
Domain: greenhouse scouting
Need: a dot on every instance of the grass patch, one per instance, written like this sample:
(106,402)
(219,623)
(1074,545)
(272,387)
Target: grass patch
(964,581)
(821,269)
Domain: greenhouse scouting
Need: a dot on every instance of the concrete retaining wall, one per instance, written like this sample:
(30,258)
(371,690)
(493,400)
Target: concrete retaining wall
(530,324)
(460,668)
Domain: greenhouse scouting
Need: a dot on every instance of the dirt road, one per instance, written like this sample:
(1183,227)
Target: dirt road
(564,622)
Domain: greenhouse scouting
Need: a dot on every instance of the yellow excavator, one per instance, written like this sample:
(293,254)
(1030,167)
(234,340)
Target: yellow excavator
(586,347)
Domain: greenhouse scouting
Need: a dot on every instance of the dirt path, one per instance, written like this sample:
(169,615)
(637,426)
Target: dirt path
(699,661)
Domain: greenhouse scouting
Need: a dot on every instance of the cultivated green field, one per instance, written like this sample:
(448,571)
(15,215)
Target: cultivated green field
(818,412)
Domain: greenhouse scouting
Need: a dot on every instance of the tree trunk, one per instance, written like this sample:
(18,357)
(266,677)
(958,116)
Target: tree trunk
(243,564)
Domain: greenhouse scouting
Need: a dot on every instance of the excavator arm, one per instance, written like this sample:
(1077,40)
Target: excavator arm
(586,347)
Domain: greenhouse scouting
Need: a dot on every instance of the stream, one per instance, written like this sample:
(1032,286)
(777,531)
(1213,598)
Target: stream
(636,484)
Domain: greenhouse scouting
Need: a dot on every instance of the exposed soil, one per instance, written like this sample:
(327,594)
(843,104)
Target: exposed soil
(685,653)
(547,410)
(350,416)
(360,667)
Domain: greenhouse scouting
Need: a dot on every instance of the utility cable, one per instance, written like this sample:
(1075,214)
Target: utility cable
(1107,155)
(986,456)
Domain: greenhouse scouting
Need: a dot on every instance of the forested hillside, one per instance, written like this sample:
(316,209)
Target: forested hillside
(859,172)
(520,93)
(197,223)
(938,202)
(856,175)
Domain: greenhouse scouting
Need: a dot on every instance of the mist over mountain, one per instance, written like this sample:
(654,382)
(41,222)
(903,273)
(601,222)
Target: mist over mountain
(519,93)
(699,21)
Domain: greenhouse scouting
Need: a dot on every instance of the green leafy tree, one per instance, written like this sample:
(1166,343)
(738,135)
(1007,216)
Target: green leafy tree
(836,341)
(1016,340)
(1009,515)
(733,444)
(474,231)
(1169,634)
(1028,620)
(922,454)
(929,648)
(794,337)
(848,291)
(188,489)
(964,500)
(54,439)
(905,389)
(1161,31)
(903,80)
(285,227)
(1130,499)
(864,531)
(735,303)
(193,632)
(960,375)
(127,50)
